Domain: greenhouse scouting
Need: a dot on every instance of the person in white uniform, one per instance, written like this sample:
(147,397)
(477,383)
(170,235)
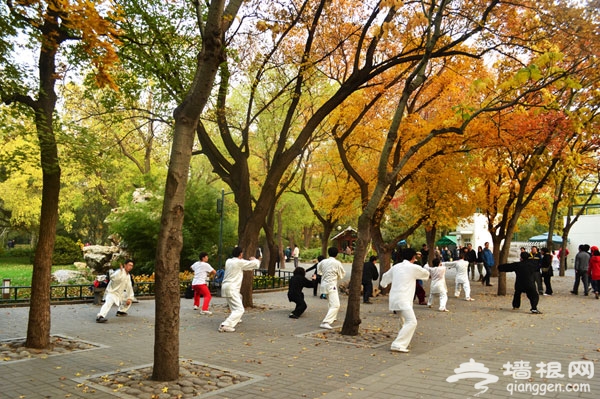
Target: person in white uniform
(403,277)
(331,271)
(119,292)
(438,284)
(461,282)
(232,284)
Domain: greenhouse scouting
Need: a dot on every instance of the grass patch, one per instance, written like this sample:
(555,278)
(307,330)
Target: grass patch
(19,270)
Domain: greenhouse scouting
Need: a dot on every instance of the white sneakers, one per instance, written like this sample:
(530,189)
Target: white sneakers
(326,326)
(469,299)
(223,328)
(207,312)
(393,349)
(196,308)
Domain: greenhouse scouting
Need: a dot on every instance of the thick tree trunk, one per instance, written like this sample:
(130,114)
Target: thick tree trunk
(38,327)
(170,242)
(352,320)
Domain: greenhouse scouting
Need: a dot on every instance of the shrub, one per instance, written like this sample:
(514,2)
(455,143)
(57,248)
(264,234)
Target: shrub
(66,251)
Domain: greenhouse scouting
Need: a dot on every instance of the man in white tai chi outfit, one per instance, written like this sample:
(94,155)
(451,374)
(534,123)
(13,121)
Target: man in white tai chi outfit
(403,277)
(331,271)
(119,291)
(231,285)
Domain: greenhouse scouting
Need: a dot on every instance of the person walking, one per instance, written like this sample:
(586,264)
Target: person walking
(369,275)
(119,292)
(331,271)
(488,262)
(582,261)
(403,276)
(231,285)
(202,271)
(295,294)
(524,282)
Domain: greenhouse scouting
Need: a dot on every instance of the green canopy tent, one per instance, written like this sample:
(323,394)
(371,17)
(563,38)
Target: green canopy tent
(446,240)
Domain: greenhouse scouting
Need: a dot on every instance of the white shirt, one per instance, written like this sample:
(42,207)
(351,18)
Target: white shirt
(201,272)
(120,286)
(403,276)
(296,252)
(462,270)
(234,274)
(330,270)
(438,279)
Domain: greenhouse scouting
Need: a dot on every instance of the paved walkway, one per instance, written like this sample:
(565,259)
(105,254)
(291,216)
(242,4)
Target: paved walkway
(275,348)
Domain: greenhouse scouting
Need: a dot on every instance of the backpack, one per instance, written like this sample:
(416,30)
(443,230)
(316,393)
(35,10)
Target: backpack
(219,276)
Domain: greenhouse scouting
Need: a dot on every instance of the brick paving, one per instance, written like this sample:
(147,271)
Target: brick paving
(289,359)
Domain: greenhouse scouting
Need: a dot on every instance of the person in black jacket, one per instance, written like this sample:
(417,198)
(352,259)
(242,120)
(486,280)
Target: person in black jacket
(295,294)
(316,277)
(369,275)
(525,280)
(546,269)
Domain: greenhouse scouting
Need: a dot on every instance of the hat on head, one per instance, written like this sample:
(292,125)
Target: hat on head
(594,248)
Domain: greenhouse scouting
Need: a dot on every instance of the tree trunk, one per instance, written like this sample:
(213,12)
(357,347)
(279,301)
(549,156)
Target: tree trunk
(38,327)
(170,241)
(352,320)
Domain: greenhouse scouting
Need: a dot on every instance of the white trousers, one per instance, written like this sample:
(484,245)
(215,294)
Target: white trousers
(236,307)
(409,325)
(465,286)
(443,299)
(109,301)
(333,299)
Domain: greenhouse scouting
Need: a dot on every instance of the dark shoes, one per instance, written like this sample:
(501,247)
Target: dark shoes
(573,292)
(293,316)
(121,314)
(489,285)
(368,303)
(535,311)
(101,319)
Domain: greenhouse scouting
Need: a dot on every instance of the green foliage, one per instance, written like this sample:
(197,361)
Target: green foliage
(138,226)
(66,251)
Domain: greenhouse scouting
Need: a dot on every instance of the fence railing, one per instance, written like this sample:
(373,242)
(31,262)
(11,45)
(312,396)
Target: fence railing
(85,292)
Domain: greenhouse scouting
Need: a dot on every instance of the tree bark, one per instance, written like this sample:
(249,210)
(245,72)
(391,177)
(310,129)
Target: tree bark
(170,241)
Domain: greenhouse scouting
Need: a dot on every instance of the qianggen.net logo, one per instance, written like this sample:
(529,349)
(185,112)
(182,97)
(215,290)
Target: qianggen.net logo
(521,374)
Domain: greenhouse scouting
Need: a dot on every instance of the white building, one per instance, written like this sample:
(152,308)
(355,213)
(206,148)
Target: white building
(473,230)
(585,231)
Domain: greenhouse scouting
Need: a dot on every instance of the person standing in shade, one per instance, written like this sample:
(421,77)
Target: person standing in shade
(471,258)
(403,276)
(546,270)
(582,261)
(202,271)
(296,255)
(525,281)
(295,294)
(535,254)
(369,275)
(119,292)
(331,271)
(231,285)
(488,263)
(594,271)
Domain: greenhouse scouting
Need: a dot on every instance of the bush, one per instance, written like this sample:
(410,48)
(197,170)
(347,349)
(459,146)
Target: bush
(66,251)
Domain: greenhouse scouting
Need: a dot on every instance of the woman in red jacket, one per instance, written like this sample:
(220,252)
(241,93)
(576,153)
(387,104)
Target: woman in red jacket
(594,270)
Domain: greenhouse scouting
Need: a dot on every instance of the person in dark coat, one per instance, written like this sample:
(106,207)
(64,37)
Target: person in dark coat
(546,269)
(316,277)
(525,280)
(369,275)
(295,294)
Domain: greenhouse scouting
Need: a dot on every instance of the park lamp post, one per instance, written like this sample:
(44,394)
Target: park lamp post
(220,204)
